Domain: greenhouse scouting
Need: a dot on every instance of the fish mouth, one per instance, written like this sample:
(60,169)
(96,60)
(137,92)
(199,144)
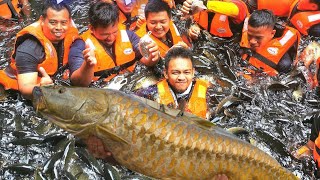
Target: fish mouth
(38,100)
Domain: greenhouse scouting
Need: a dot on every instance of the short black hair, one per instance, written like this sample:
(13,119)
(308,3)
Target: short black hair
(178,52)
(262,18)
(155,6)
(53,5)
(103,14)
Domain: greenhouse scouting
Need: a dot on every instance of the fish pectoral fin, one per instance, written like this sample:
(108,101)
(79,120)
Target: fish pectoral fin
(102,132)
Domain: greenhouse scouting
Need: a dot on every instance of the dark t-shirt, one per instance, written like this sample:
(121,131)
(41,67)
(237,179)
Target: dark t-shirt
(315,128)
(30,53)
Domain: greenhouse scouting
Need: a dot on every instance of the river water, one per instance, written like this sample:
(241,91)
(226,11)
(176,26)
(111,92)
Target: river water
(276,120)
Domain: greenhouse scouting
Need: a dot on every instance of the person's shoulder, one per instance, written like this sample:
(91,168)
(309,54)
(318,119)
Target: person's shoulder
(30,45)
(78,43)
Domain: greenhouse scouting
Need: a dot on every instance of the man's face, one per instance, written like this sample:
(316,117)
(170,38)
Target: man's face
(259,37)
(106,35)
(179,74)
(158,23)
(127,9)
(56,24)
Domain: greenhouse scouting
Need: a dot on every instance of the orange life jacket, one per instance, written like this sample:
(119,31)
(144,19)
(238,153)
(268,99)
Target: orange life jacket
(123,51)
(280,8)
(304,20)
(304,15)
(122,20)
(9,9)
(316,151)
(273,50)
(197,104)
(50,63)
(306,5)
(220,25)
(163,48)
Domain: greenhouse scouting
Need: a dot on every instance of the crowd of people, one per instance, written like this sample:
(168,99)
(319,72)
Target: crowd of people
(113,42)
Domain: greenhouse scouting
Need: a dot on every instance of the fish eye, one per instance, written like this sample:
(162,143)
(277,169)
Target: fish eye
(62,90)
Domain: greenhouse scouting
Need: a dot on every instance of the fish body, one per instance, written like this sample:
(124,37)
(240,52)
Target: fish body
(151,142)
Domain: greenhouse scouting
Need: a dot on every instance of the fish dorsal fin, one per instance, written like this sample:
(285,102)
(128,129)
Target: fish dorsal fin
(160,107)
(103,132)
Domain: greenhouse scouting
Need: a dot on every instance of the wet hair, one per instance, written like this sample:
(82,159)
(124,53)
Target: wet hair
(251,4)
(53,5)
(178,52)
(262,18)
(103,14)
(156,6)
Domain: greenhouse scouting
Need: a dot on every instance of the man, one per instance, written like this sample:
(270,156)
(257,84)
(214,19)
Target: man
(159,23)
(302,14)
(305,16)
(265,48)
(45,47)
(179,89)
(128,16)
(11,8)
(222,18)
(114,47)
(312,147)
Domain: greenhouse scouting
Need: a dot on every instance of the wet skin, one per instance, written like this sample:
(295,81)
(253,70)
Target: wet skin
(179,74)
(56,24)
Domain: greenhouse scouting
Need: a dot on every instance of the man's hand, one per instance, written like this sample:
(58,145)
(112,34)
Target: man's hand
(96,147)
(89,55)
(141,20)
(194,32)
(186,7)
(154,55)
(45,78)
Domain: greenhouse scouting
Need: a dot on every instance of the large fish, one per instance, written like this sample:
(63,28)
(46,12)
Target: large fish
(151,142)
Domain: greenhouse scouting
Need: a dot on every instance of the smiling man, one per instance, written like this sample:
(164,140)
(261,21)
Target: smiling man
(113,47)
(159,23)
(179,89)
(267,48)
(43,48)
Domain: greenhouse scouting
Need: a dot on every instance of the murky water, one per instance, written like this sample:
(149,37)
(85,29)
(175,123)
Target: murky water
(32,148)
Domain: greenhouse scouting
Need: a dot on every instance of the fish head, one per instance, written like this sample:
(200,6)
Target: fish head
(73,109)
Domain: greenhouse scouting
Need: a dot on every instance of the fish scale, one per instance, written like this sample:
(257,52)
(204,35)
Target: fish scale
(154,143)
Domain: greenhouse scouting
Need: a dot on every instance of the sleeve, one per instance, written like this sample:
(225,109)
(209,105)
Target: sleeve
(75,58)
(235,9)
(148,93)
(285,63)
(315,128)
(134,39)
(28,55)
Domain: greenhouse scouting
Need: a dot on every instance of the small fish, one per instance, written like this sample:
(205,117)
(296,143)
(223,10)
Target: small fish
(310,54)
(20,168)
(227,102)
(297,94)
(278,86)
(143,43)
(145,81)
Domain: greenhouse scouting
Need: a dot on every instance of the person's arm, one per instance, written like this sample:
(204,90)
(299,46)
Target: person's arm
(285,63)
(152,47)
(26,8)
(28,56)
(81,63)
